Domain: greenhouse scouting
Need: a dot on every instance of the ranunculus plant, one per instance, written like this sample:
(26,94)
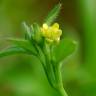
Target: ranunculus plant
(45,43)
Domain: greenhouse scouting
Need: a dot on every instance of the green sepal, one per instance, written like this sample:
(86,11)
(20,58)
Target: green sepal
(37,33)
(27,31)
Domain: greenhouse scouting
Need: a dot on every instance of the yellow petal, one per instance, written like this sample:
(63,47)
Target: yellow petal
(60,32)
(55,25)
(45,26)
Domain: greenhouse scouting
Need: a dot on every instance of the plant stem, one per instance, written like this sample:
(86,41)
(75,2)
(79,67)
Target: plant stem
(62,92)
(59,83)
(53,72)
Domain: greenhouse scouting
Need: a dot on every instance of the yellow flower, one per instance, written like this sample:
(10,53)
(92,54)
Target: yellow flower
(51,33)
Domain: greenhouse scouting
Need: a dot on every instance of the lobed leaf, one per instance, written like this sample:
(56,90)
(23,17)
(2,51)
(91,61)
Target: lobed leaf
(53,14)
(64,49)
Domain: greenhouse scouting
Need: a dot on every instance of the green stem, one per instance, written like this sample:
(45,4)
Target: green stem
(59,83)
(62,92)
(53,72)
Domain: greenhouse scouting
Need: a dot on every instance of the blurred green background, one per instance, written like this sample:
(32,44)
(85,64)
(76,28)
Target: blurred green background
(22,75)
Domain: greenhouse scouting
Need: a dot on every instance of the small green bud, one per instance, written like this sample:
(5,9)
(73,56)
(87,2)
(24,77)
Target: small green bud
(37,33)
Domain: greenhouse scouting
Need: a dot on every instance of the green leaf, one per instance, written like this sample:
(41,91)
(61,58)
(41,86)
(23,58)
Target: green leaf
(53,14)
(12,51)
(64,49)
(25,44)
